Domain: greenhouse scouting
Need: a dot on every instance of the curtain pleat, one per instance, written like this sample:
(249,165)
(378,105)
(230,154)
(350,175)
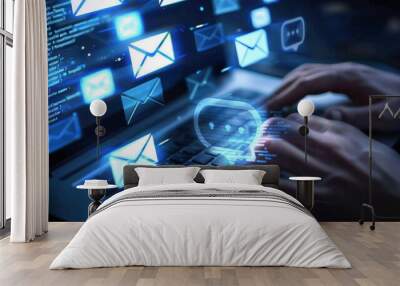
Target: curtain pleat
(27,124)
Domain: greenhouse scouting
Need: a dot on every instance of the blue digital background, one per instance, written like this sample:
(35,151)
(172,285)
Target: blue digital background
(154,63)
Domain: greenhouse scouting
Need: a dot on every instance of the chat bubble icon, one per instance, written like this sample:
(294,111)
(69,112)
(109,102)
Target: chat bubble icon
(228,127)
(293,34)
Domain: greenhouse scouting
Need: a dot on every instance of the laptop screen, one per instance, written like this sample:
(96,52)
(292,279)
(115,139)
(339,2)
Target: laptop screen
(95,49)
(147,59)
(104,50)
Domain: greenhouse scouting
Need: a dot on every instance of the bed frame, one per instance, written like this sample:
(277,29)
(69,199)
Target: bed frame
(271,178)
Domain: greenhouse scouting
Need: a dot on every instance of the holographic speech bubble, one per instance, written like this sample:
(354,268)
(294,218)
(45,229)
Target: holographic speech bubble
(293,34)
(229,127)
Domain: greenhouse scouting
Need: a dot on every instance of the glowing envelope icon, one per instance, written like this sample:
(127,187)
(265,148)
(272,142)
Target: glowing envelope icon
(141,151)
(229,127)
(293,34)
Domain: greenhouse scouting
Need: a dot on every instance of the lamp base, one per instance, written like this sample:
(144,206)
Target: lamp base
(304,130)
(95,195)
(362,219)
(100,131)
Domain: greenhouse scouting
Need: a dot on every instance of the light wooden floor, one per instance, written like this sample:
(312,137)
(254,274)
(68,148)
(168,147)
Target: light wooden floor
(375,257)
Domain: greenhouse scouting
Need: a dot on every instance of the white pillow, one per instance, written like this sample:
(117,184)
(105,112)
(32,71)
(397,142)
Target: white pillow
(166,176)
(245,177)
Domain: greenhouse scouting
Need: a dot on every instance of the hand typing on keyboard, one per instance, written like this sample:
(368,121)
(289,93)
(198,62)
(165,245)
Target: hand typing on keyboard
(355,80)
(338,152)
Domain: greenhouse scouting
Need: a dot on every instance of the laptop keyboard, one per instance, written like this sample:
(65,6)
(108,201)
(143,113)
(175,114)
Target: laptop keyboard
(184,147)
(191,154)
(188,150)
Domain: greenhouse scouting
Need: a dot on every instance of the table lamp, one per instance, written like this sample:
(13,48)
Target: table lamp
(305,108)
(98,108)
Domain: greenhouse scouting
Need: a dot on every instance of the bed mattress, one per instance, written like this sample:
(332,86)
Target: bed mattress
(201,225)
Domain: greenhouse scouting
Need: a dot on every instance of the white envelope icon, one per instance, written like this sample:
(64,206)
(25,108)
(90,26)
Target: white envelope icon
(81,7)
(142,151)
(169,2)
(151,54)
(252,47)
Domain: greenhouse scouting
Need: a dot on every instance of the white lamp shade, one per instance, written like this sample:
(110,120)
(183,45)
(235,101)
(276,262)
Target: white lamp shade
(98,108)
(306,107)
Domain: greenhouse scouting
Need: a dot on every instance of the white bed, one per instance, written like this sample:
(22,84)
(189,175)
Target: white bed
(208,230)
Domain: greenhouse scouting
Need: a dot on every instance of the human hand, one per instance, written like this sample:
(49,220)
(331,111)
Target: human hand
(355,80)
(338,153)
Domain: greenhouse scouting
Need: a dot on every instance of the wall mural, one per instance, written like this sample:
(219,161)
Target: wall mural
(192,82)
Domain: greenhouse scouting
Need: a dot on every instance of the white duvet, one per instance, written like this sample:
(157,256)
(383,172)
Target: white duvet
(200,232)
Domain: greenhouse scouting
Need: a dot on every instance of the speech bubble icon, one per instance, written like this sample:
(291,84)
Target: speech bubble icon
(229,127)
(293,33)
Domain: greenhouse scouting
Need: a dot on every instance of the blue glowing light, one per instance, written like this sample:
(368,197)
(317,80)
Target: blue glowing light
(200,84)
(260,17)
(169,2)
(225,6)
(151,54)
(141,96)
(141,151)
(230,127)
(82,7)
(252,47)
(129,25)
(97,85)
(209,37)
(293,33)
(64,132)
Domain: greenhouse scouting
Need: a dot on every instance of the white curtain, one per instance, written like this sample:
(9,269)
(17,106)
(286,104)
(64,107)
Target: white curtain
(27,124)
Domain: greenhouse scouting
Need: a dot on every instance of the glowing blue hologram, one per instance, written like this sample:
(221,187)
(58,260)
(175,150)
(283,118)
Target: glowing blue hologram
(97,85)
(225,6)
(293,33)
(64,132)
(260,17)
(270,1)
(81,7)
(168,2)
(133,99)
(141,151)
(151,54)
(230,127)
(252,47)
(200,83)
(129,25)
(209,37)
